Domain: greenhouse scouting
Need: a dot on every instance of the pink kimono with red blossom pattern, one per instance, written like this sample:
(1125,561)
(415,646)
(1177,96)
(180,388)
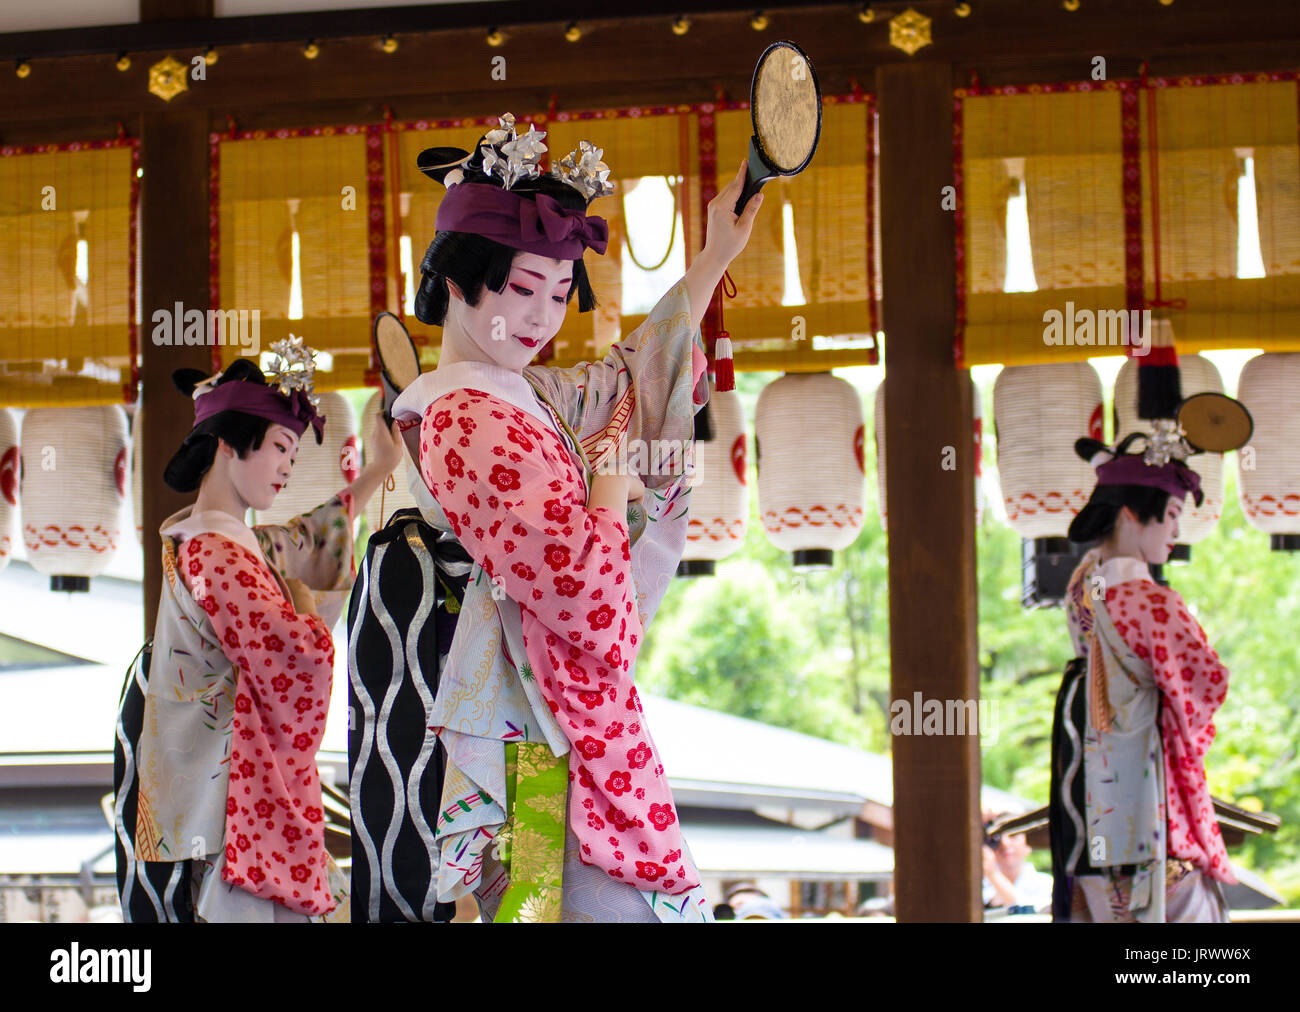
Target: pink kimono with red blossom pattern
(1193,683)
(238,695)
(569,581)
(285,663)
(1161,652)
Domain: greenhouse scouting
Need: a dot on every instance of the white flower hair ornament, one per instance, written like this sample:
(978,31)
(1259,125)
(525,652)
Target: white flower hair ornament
(294,368)
(511,159)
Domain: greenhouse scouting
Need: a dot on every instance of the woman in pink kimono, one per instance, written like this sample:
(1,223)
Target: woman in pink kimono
(555,804)
(1149,847)
(218,800)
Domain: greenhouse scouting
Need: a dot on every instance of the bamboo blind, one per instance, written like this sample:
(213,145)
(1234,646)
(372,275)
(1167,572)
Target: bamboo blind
(1067,146)
(62,342)
(269,186)
(317,186)
(1201,129)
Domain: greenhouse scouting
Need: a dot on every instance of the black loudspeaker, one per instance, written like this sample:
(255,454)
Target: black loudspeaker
(1046,567)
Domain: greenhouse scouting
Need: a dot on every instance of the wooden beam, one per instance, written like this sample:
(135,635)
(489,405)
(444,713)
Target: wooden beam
(154,11)
(442,66)
(928,416)
(174,268)
(171,25)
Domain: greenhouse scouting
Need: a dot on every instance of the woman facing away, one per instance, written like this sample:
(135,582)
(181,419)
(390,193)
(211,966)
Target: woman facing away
(218,799)
(1147,846)
(555,804)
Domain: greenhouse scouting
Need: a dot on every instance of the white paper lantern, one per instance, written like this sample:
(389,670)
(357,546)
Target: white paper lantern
(74,465)
(137,461)
(809,433)
(978,429)
(1197,375)
(399,496)
(719,495)
(1269,465)
(1039,412)
(319,471)
(10,474)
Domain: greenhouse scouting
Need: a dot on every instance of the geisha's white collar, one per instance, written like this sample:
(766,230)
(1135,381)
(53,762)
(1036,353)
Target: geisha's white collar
(187,524)
(1122,569)
(493,379)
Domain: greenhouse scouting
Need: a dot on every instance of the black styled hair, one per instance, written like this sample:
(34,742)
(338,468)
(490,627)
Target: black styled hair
(244,432)
(472,261)
(1098,518)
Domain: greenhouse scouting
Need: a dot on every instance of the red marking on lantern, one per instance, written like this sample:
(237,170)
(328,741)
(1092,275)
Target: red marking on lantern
(859,447)
(1095,431)
(349,459)
(119,471)
(738,458)
(9,465)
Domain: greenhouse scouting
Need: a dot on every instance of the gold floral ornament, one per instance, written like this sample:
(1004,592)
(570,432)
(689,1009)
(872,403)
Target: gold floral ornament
(583,169)
(553,805)
(294,368)
(167,79)
(909,31)
(543,907)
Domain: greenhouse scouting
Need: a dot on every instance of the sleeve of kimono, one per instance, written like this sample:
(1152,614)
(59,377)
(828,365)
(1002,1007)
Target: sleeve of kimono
(284,666)
(1193,683)
(1078,602)
(316,548)
(517,512)
(647,388)
(518,508)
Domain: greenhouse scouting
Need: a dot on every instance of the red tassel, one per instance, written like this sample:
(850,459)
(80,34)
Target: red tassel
(724,370)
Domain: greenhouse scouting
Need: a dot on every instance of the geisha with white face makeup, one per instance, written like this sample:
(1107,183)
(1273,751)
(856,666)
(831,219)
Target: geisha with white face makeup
(561,592)
(509,328)
(219,811)
(1131,770)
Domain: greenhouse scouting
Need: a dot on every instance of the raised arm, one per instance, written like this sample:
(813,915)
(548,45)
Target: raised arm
(726,236)
(384,452)
(650,384)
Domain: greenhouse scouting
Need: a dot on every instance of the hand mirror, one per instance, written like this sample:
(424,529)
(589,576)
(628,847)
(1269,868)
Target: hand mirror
(1215,423)
(399,361)
(785,102)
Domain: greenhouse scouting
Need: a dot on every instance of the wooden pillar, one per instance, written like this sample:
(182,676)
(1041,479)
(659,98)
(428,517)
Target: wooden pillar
(173,268)
(928,421)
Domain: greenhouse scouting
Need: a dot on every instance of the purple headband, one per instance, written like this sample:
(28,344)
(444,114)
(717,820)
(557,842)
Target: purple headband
(293,410)
(1174,477)
(535,224)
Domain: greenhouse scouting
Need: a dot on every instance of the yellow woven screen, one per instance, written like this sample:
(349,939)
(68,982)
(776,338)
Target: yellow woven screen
(423,196)
(1277,192)
(64,341)
(829,207)
(1205,131)
(635,147)
(831,223)
(316,186)
(1067,148)
(1064,147)
(829,216)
